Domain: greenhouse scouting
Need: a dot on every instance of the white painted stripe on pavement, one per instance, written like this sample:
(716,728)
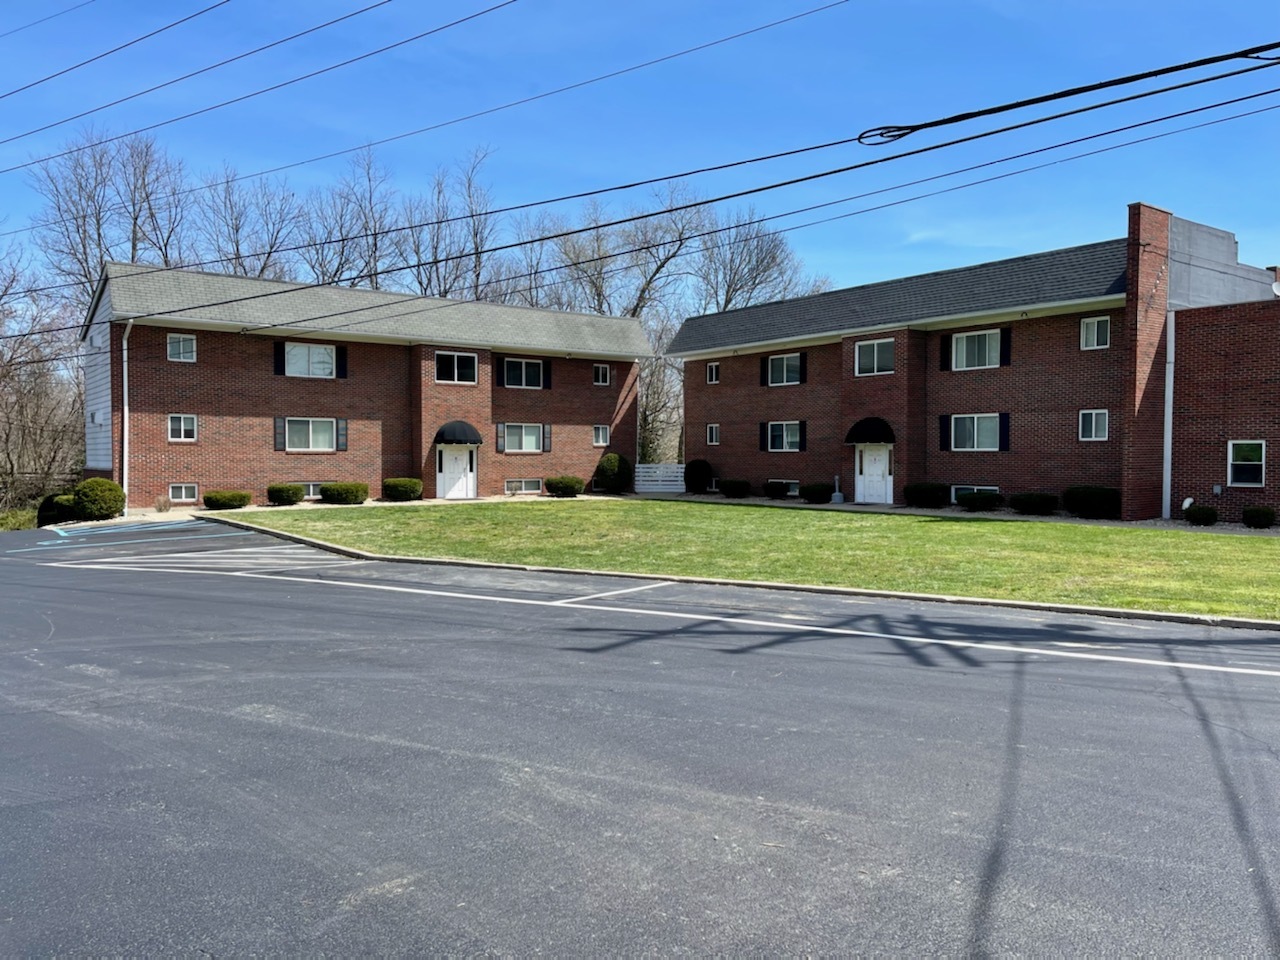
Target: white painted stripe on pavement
(738,621)
(610,593)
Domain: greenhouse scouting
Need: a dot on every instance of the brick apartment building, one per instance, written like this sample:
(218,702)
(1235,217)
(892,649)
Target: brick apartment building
(198,381)
(1029,374)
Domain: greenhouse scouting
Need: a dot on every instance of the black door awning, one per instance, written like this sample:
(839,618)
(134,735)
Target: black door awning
(870,430)
(458,431)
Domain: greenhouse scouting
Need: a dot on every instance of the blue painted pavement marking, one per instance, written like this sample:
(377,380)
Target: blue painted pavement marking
(60,545)
(127,528)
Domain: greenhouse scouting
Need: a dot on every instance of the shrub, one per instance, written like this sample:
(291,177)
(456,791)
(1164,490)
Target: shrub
(56,508)
(735,489)
(614,473)
(1259,518)
(698,475)
(979,500)
(1092,503)
(286,494)
(777,490)
(1201,516)
(564,487)
(344,492)
(1034,504)
(227,499)
(401,489)
(19,518)
(163,504)
(930,495)
(98,499)
(817,492)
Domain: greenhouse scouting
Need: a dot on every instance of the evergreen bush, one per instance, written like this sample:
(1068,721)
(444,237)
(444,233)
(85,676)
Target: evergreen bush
(401,489)
(564,487)
(978,501)
(1092,503)
(227,499)
(1200,515)
(928,495)
(817,492)
(1259,518)
(286,494)
(98,499)
(735,489)
(344,492)
(777,490)
(1034,504)
(614,473)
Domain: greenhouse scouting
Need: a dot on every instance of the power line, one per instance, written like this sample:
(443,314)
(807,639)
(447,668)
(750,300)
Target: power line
(456,120)
(348,238)
(889,134)
(85,63)
(264,90)
(9,33)
(780,231)
(194,73)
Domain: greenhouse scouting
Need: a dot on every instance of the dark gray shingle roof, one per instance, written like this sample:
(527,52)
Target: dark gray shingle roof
(1076,273)
(141,290)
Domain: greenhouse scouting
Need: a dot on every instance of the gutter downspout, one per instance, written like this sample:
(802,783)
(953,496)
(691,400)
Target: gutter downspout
(1166,479)
(124,419)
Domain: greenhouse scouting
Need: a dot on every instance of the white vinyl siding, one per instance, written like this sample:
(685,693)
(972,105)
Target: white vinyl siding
(96,354)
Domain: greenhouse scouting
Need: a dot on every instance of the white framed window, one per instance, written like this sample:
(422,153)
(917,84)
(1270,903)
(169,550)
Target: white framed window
(523,437)
(975,351)
(527,485)
(1095,333)
(182,492)
(311,488)
(600,435)
(793,486)
(713,371)
(600,375)
(975,431)
(181,348)
(713,434)
(523,374)
(784,436)
(873,357)
(316,435)
(1094,425)
(182,428)
(784,370)
(1246,463)
(309,360)
(456,367)
(965,488)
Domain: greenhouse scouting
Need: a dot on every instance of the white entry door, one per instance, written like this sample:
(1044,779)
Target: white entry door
(455,471)
(874,483)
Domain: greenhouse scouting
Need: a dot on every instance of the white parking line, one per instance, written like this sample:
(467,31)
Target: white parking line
(609,593)
(736,621)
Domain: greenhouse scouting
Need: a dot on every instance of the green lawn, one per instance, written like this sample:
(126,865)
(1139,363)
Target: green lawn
(1168,570)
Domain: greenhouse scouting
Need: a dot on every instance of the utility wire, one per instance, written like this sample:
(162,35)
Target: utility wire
(9,33)
(780,231)
(348,238)
(881,135)
(194,73)
(456,120)
(258,93)
(85,63)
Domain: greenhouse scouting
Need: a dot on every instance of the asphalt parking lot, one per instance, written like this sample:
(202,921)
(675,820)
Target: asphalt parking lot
(216,741)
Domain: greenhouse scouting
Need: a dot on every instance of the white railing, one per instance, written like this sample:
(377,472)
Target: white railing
(659,478)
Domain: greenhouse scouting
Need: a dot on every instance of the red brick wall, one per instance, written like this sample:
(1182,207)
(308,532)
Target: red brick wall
(1146,305)
(1048,382)
(1226,387)
(438,403)
(739,404)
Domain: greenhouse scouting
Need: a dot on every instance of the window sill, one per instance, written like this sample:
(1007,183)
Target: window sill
(457,383)
(312,452)
(877,373)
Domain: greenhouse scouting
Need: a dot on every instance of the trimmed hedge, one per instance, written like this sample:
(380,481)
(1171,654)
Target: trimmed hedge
(1200,515)
(1259,518)
(401,489)
(227,499)
(56,508)
(286,494)
(1092,503)
(929,495)
(698,475)
(776,490)
(98,499)
(817,492)
(614,473)
(735,489)
(1033,504)
(344,492)
(976,501)
(564,487)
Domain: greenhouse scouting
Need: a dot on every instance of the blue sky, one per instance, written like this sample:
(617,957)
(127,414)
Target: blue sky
(829,75)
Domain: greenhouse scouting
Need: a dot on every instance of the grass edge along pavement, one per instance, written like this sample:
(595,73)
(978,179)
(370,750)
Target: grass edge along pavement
(1156,570)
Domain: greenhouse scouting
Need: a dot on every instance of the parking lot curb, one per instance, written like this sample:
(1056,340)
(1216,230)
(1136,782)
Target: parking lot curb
(1202,619)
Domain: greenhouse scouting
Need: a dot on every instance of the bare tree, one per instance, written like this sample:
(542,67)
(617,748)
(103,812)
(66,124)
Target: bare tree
(744,263)
(247,225)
